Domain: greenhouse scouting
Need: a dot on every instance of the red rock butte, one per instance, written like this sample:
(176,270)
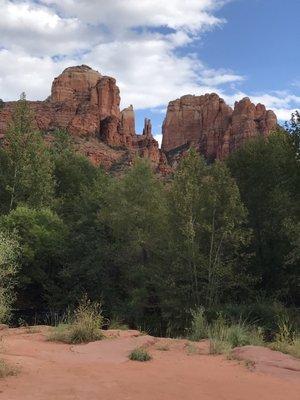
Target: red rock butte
(213,127)
(87,105)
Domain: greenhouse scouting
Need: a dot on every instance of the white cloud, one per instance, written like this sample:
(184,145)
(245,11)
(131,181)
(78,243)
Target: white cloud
(21,72)
(139,42)
(119,15)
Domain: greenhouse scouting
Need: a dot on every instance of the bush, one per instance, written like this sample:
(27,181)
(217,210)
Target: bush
(199,328)
(140,354)
(261,312)
(287,339)
(224,337)
(84,327)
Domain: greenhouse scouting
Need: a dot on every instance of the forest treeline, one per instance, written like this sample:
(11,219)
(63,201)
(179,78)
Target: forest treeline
(150,249)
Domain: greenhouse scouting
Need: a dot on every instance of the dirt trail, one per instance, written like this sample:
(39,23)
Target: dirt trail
(101,370)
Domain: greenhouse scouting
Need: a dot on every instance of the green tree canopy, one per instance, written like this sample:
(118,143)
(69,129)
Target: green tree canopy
(26,169)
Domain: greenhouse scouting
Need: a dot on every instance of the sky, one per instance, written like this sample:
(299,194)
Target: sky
(157,50)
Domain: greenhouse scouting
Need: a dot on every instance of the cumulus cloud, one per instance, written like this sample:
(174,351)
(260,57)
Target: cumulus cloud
(145,44)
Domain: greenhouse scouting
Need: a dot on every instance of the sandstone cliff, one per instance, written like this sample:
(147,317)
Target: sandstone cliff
(87,105)
(213,127)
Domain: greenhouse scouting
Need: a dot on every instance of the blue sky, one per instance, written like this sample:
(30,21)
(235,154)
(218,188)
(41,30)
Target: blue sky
(259,42)
(157,51)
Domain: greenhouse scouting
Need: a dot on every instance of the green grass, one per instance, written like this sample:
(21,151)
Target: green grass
(140,354)
(7,370)
(83,327)
(223,336)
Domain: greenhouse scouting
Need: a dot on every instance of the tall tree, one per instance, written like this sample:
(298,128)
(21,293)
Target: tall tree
(42,238)
(268,175)
(26,170)
(207,224)
(137,219)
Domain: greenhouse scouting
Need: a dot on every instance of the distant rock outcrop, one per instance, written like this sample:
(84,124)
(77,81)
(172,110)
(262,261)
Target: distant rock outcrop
(87,105)
(210,125)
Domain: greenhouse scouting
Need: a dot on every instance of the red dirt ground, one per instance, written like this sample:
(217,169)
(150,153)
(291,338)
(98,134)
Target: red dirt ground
(101,370)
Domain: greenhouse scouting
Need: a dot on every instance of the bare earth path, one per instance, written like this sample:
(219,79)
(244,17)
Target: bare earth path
(101,370)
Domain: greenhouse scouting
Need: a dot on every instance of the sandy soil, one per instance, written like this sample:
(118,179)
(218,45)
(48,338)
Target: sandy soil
(101,370)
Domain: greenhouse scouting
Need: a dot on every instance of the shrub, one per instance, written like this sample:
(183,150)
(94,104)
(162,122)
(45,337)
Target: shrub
(224,337)
(261,312)
(84,327)
(140,354)
(287,340)
(286,331)
(199,329)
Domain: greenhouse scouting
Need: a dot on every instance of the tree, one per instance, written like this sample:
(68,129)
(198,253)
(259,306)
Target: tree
(267,173)
(207,218)
(42,238)
(9,251)
(293,128)
(25,165)
(137,217)
(1,104)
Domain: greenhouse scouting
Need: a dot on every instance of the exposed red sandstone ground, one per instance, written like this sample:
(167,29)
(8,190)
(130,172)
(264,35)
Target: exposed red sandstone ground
(101,370)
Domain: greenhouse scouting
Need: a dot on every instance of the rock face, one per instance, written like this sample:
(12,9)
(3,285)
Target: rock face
(87,105)
(209,124)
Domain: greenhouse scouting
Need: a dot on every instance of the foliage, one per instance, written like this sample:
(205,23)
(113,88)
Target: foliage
(9,251)
(199,328)
(287,339)
(42,236)
(207,236)
(223,336)
(140,354)
(223,235)
(137,222)
(268,176)
(26,169)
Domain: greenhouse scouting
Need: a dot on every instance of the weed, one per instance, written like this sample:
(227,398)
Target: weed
(84,326)
(199,328)
(140,354)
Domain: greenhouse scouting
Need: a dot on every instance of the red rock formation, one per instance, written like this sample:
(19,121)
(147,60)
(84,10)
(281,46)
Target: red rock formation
(147,145)
(212,126)
(87,105)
